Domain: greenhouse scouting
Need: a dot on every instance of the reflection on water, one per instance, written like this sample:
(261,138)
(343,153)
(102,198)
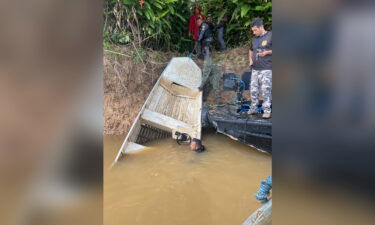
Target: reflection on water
(169,184)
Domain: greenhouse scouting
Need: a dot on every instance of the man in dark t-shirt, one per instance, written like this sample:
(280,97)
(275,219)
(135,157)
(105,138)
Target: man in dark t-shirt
(260,59)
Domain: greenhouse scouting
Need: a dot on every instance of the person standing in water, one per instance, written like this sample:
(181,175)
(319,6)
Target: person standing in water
(196,145)
(211,78)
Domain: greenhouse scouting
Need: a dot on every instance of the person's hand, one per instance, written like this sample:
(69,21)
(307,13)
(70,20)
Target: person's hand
(261,54)
(251,63)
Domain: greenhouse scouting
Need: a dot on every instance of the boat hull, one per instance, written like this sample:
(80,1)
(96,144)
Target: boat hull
(251,130)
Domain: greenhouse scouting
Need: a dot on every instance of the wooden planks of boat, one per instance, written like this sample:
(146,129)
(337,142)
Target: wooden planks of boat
(261,216)
(173,105)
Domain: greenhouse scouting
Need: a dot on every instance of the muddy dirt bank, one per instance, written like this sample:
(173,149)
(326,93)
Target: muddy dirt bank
(129,78)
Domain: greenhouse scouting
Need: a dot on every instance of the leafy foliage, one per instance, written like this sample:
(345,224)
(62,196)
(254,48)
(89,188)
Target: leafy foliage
(240,13)
(163,24)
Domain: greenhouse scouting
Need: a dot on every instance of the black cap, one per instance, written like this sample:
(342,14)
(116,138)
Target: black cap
(196,140)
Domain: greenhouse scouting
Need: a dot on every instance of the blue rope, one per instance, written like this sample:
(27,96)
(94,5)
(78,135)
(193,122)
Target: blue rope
(264,190)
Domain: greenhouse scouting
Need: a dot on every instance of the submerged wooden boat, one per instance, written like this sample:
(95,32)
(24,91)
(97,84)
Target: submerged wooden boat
(173,106)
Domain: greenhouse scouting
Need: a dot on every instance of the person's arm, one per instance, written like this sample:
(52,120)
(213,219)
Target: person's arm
(250,57)
(251,53)
(201,32)
(264,53)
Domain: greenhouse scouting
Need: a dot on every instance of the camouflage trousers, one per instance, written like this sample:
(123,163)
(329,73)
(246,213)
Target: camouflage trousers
(211,78)
(261,80)
(213,83)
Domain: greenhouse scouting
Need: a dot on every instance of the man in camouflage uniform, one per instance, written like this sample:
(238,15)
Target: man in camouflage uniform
(260,58)
(211,78)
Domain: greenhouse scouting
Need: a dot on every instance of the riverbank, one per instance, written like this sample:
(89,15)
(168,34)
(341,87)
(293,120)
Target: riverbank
(130,74)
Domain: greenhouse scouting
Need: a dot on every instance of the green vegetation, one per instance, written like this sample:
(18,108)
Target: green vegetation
(163,24)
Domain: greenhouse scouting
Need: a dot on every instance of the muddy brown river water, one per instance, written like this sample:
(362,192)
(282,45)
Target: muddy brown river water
(168,184)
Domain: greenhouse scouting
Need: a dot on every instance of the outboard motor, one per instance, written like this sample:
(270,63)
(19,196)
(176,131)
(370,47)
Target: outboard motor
(232,83)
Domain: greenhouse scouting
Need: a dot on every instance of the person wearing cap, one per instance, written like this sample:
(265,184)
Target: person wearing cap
(193,26)
(260,59)
(196,145)
(205,37)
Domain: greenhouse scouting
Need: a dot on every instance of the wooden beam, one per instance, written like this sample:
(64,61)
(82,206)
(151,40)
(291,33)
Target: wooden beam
(166,123)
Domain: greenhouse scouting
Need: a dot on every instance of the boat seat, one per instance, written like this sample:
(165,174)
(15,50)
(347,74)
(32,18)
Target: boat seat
(166,123)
